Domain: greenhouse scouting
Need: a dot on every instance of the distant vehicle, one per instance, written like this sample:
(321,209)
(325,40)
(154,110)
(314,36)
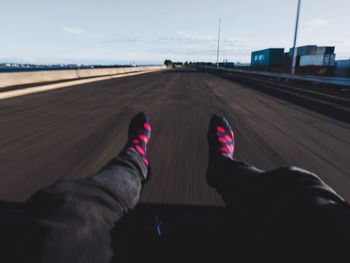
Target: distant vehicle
(178,64)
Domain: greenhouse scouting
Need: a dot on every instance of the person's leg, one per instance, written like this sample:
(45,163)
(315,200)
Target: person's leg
(285,204)
(235,179)
(71,221)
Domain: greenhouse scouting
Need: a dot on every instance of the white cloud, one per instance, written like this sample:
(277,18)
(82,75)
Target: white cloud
(235,42)
(73,30)
(123,40)
(203,47)
(195,37)
(316,24)
(189,38)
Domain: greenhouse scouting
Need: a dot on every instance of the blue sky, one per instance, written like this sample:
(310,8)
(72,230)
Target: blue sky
(149,31)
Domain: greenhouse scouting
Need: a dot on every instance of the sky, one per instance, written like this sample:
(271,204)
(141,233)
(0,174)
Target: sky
(150,31)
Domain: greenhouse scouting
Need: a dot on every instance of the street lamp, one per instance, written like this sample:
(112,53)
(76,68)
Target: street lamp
(295,39)
(217,53)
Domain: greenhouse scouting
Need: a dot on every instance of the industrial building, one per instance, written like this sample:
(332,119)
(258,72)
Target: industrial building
(310,59)
(312,55)
(342,68)
(271,57)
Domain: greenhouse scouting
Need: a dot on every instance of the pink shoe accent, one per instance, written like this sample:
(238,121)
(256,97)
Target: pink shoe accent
(143,138)
(224,149)
(220,129)
(228,138)
(140,150)
(147,127)
(145,161)
(221,140)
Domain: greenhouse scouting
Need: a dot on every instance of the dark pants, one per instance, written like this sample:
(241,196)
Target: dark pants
(71,221)
(287,213)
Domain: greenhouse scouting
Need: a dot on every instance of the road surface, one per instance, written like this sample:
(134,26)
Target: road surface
(73,132)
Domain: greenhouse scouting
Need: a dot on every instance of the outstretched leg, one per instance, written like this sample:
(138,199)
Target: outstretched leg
(287,204)
(233,179)
(71,221)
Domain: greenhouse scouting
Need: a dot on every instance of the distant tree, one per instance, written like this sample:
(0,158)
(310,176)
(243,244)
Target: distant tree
(168,63)
(186,64)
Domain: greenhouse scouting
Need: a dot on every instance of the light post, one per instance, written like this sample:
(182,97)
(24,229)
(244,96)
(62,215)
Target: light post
(295,39)
(218,51)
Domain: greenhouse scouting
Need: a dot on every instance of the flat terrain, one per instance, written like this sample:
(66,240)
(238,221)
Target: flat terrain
(73,132)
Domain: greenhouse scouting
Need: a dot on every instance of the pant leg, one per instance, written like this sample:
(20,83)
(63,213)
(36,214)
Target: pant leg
(237,180)
(288,209)
(71,221)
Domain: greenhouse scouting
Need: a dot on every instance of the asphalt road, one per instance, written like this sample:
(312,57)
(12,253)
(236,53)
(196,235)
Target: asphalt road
(73,132)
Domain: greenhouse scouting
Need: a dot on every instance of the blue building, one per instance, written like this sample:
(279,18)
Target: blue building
(342,68)
(271,57)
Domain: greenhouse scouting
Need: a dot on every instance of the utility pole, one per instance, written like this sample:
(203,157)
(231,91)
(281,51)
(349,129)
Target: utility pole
(218,51)
(295,39)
